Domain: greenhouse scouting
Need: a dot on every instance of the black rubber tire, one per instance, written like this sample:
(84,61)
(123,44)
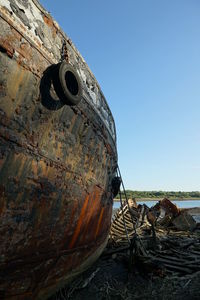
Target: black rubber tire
(67,84)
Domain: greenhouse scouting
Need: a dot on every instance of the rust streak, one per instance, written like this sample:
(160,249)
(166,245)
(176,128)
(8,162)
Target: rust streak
(92,211)
(80,221)
(50,23)
(99,222)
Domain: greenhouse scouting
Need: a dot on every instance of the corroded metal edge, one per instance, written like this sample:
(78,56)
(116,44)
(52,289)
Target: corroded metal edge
(99,103)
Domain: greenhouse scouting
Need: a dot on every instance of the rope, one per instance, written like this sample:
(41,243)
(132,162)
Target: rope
(120,195)
(135,224)
(126,199)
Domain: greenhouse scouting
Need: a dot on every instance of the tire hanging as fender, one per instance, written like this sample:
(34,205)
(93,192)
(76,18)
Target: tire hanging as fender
(67,83)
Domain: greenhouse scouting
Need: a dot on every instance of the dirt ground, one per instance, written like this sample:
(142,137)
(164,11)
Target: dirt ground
(110,278)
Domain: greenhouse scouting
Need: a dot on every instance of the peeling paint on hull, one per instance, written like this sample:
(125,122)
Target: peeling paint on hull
(56,161)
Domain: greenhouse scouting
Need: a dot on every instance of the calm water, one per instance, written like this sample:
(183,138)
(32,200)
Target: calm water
(180,204)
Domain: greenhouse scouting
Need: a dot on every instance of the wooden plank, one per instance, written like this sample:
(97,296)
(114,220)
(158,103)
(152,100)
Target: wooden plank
(168,261)
(178,268)
(171,258)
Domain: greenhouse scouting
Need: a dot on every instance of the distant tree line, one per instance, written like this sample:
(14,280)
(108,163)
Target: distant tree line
(159,194)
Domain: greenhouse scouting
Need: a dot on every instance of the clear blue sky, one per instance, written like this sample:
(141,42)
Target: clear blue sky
(145,54)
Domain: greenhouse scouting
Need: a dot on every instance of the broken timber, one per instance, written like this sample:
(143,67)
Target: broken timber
(171,251)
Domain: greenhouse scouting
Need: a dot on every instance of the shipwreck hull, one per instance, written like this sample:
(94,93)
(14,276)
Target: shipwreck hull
(57,161)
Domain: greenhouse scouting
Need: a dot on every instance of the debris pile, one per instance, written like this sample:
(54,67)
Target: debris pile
(163,239)
(164,215)
(152,253)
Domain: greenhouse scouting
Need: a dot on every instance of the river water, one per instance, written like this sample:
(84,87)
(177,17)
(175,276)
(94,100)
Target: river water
(181,204)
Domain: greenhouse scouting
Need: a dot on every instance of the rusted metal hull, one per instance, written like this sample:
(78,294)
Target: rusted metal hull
(56,161)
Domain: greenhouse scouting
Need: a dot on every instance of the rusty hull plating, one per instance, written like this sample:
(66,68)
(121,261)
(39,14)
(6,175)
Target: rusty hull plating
(56,161)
